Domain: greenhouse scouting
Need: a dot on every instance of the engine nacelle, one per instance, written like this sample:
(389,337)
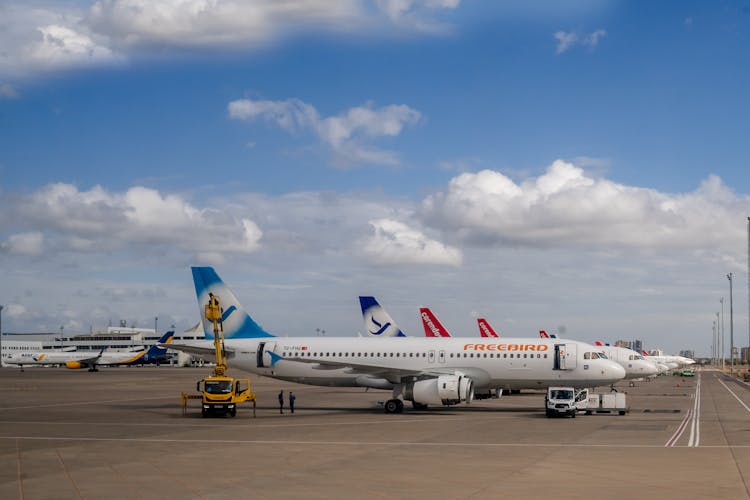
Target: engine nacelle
(444,389)
(73,365)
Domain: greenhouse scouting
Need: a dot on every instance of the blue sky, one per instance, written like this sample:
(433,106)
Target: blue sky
(578,166)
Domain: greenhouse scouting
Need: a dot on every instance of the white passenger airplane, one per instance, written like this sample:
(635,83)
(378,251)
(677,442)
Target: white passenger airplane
(91,360)
(424,371)
(635,365)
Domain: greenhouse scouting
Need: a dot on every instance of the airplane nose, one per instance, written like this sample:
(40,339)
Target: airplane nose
(616,371)
(649,369)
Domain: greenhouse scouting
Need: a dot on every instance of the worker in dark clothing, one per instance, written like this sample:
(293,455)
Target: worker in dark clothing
(292,397)
(281,402)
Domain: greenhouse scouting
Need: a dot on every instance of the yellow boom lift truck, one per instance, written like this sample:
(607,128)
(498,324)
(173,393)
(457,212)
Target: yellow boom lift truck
(220,394)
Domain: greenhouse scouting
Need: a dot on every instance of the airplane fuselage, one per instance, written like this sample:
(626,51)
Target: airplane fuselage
(507,363)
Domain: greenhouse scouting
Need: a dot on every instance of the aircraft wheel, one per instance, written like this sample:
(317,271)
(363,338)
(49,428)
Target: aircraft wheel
(392,406)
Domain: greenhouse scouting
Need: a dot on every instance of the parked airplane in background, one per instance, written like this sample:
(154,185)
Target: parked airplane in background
(543,334)
(485,330)
(635,365)
(670,360)
(423,371)
(92,360)
(378,323)
(432,325)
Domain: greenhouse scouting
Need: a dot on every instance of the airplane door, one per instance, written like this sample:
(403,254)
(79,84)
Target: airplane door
(441,356)
(259,354)
(263,359)
(430,356)
(566,357)
(571,357)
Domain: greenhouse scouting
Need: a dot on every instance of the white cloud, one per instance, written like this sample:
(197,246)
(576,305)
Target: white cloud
(564,40)
(567,208)
(215,22)
(7,91)
(592,39)
(29,244)
(417,15)
(395,243)
(347,134)
(46,35)
(568,40)
(99,221)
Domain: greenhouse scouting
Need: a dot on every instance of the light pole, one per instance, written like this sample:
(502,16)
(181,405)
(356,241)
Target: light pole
(748,291)
(731,326)
(713,343)
(723,352)
(718,337)
(156,321)
(62,342)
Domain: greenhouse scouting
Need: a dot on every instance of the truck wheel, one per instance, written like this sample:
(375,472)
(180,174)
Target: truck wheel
(573,415)
(548,413)
(418,406)
(204,412)
(622,412)
(233,412)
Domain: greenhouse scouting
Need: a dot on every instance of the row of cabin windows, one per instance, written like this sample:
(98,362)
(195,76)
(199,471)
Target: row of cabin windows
(416,355)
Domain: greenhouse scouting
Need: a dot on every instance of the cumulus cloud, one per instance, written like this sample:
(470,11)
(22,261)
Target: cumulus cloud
(29,244)
(47,35)
(98,220)
(416,14)
(567,207)
(396,243)
(568,40)
(347,134)
(214,22)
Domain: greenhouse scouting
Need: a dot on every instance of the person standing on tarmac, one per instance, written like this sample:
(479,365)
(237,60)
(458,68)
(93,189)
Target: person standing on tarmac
(281,402)
(292,397)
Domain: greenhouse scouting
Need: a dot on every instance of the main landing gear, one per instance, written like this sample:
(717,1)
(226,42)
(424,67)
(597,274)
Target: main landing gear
(394,406)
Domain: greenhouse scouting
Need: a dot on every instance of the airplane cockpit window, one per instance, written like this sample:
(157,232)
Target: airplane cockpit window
(603,356)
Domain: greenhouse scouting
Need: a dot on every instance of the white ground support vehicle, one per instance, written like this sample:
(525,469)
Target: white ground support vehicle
(567,401)
(561,401)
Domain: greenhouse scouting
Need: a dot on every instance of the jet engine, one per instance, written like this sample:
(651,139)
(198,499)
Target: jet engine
(444,389)
(73,365)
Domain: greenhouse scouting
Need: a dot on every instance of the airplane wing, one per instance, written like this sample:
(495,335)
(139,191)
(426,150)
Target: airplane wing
(197,350)
(92,360)
(391,374)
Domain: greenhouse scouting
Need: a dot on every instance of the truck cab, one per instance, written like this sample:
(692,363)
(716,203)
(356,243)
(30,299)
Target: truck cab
(221,395)
(564,401)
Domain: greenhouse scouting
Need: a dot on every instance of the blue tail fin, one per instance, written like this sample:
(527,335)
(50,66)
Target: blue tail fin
(378,323)
(237,322)
(155,352)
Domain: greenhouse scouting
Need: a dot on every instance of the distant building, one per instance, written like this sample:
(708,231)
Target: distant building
(745,354)
(688,353)
(637,346)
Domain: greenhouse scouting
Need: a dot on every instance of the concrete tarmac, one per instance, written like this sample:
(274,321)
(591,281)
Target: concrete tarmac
(120,433)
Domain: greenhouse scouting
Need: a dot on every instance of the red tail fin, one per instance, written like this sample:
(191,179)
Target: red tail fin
(598,343)
(543,334)
(432,326)
(485,330)
(645,353)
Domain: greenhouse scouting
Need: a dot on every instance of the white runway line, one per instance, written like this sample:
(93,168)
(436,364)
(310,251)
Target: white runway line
(733,394)
(678,433)
(224,442)
(695,427)
(84,403)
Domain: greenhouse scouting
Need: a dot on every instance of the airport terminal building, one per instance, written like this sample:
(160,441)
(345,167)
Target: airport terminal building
(120,338)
